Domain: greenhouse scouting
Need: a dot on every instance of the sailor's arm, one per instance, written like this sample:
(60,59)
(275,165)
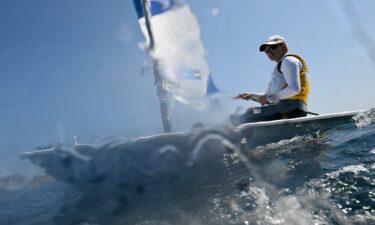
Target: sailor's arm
(291,71)
(250,96)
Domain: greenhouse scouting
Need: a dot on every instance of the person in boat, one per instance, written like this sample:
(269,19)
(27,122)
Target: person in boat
(288,90)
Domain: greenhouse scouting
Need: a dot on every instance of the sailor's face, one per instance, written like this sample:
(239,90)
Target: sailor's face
(274,52)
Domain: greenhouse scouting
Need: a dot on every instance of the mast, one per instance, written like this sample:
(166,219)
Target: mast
(161,93)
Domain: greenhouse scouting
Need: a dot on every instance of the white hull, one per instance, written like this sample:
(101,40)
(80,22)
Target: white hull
(87,164)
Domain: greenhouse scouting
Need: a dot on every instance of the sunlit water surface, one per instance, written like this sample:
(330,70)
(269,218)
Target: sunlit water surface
(321,178)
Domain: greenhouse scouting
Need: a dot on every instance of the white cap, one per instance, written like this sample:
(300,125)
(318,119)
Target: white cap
(273,40)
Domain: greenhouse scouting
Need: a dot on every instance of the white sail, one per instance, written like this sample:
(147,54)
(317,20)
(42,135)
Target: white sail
(177,48)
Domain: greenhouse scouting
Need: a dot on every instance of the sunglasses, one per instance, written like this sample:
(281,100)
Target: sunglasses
(271,48)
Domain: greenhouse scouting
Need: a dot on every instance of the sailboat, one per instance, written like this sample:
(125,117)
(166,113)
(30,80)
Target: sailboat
(186,78)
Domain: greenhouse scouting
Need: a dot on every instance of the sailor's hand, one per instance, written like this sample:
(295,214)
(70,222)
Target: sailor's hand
(263,100)
(244,96)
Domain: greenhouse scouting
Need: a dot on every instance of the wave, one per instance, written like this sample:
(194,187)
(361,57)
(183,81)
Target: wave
(209,176)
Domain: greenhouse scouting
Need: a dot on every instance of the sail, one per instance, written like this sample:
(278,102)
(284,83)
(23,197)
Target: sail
(173,37)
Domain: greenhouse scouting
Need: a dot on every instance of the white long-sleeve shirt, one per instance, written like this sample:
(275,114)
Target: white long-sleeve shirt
(285,85)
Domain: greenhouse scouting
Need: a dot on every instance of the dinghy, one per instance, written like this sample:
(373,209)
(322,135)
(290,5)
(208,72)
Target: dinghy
(184,75)
(85,163)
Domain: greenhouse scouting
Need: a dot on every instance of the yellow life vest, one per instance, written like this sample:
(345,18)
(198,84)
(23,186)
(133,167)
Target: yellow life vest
(305,84)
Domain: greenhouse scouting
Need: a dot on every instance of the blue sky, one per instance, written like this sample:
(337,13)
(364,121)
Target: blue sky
(73,67)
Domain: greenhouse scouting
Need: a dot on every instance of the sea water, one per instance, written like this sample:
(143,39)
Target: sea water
(320,178)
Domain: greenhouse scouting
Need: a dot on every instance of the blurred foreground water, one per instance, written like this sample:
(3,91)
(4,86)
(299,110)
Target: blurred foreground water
(320,178)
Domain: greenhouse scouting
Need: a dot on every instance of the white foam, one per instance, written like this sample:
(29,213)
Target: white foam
(353,168)
(365,118)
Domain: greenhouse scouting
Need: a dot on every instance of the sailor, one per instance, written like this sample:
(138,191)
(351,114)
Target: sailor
(288,91)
